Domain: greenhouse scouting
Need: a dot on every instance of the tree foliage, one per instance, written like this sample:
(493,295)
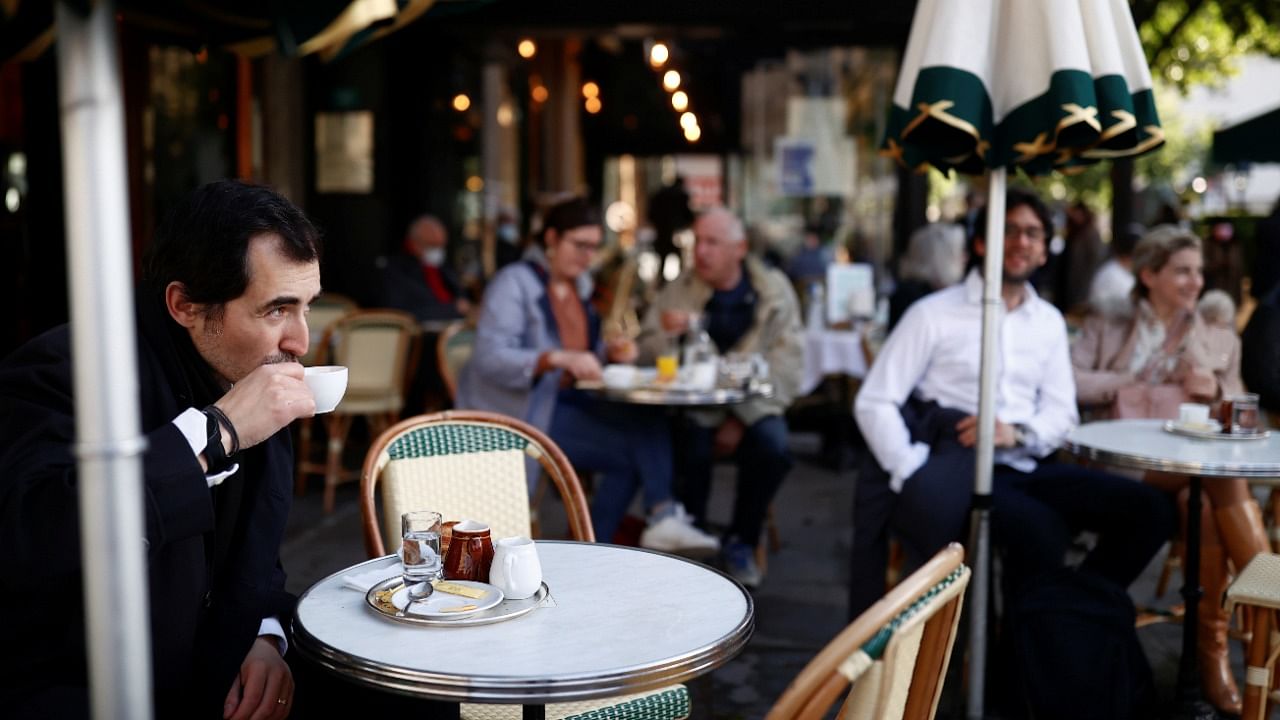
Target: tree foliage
(1196,42)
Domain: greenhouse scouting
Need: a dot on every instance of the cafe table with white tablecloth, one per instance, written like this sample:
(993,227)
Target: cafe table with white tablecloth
(831,352)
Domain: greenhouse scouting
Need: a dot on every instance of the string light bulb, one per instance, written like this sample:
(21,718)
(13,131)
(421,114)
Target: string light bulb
(658,54)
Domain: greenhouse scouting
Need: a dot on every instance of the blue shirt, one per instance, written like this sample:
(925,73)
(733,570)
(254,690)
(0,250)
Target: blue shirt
(729,313)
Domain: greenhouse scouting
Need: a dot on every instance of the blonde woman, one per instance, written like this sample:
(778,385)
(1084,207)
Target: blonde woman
(1162,340)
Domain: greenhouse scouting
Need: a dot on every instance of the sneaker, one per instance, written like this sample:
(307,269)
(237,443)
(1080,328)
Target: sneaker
(740,562)
(674,532)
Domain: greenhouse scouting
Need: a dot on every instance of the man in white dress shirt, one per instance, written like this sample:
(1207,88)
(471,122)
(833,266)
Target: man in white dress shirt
(917,412)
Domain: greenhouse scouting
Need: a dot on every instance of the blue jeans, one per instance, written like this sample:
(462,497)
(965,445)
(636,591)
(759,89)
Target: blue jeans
(763,461)
(629,446)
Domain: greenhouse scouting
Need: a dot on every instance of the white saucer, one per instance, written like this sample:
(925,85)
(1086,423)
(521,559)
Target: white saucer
(437,606)
(1211,430)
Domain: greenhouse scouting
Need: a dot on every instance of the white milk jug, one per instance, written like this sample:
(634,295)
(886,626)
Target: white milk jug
(516,570)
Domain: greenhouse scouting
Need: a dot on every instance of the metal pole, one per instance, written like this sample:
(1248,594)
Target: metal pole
(993,269)
(109,445)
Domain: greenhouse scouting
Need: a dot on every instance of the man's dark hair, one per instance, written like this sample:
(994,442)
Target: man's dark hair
(1012,199)
(203,243)
(572,213)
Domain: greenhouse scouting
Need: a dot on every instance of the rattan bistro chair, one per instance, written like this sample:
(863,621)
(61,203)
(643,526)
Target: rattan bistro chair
(464,464)
(1256,590)
(379,349)
(895,653)
(325,311)
(472,464)
(453,350)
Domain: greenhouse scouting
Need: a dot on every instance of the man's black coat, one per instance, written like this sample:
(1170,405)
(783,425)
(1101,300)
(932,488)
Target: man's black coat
(212,555)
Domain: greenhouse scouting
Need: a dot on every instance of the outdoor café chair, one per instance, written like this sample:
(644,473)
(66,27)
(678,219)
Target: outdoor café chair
(1257,590)
(473,464)
(324,312)
(379,349)
(453,350)
(895,654)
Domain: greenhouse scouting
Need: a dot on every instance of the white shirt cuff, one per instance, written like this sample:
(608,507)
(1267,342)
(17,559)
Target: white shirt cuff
(917,456)
(192,423)
(271,626)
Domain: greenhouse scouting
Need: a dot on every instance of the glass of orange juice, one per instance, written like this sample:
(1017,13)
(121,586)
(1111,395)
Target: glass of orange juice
(668,364)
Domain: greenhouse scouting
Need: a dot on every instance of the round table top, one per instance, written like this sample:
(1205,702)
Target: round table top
(1146,445)
(678,396)
(618,620)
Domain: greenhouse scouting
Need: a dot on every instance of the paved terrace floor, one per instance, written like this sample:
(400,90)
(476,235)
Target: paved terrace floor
(800,605)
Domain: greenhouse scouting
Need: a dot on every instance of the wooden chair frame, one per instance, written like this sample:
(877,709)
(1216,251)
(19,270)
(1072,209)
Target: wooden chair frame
(338,423)
(820,684)
(553,461)
(447,376)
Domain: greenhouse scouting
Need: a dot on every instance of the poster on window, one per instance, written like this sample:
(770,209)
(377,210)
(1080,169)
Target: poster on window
(795,166)
(344,152)
(851,293)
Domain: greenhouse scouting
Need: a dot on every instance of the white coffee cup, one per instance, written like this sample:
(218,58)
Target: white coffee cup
(618,377)
(328,384)
(516,570)
(1193,414)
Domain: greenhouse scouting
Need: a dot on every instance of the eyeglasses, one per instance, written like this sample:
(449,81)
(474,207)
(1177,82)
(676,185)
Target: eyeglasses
(1030,232)
(584,246)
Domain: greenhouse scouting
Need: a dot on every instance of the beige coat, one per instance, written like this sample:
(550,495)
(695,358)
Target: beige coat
(775,333)
(1102,353)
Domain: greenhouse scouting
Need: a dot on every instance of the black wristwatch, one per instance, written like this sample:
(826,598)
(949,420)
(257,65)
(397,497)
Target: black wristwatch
(214,454)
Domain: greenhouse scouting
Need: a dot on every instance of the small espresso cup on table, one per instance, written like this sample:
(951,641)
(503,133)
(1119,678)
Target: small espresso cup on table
(470,552)
(328,383)
(1193,414)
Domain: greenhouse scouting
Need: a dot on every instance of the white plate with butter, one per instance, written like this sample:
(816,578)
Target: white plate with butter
(441,609)
(443,605)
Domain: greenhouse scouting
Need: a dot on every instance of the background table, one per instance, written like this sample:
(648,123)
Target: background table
(1145,445)
(679,397)
(620,620)
(831,352)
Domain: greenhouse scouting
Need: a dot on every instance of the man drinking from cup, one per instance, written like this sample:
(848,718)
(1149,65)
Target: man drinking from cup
(221,325)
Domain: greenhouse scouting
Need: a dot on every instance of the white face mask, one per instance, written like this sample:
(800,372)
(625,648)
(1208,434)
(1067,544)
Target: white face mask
(508,233)
(433,257)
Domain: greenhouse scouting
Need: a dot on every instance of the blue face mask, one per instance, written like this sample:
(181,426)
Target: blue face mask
(508,233)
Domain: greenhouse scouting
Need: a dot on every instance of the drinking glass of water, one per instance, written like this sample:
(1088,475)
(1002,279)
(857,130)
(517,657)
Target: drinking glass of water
(420,551)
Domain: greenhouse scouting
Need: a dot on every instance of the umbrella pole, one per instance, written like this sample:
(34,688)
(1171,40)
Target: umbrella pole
(980,555)
(109,445)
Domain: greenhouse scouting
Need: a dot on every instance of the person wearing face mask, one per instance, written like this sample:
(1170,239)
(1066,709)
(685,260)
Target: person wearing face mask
(508,249)
(419,280)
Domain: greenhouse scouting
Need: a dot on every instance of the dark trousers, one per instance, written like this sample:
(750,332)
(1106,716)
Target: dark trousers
(763,461)
(1034,515)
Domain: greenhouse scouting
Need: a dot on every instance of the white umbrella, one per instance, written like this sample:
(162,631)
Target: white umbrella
(109,443)
(987,85)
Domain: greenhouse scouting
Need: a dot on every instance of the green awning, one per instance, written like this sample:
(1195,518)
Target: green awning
(1252,141)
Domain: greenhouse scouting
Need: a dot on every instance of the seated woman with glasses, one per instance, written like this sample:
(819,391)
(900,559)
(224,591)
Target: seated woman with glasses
(1142,358)
(538,334)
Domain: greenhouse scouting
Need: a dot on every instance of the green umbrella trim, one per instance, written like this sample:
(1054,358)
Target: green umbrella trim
(1077,121)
